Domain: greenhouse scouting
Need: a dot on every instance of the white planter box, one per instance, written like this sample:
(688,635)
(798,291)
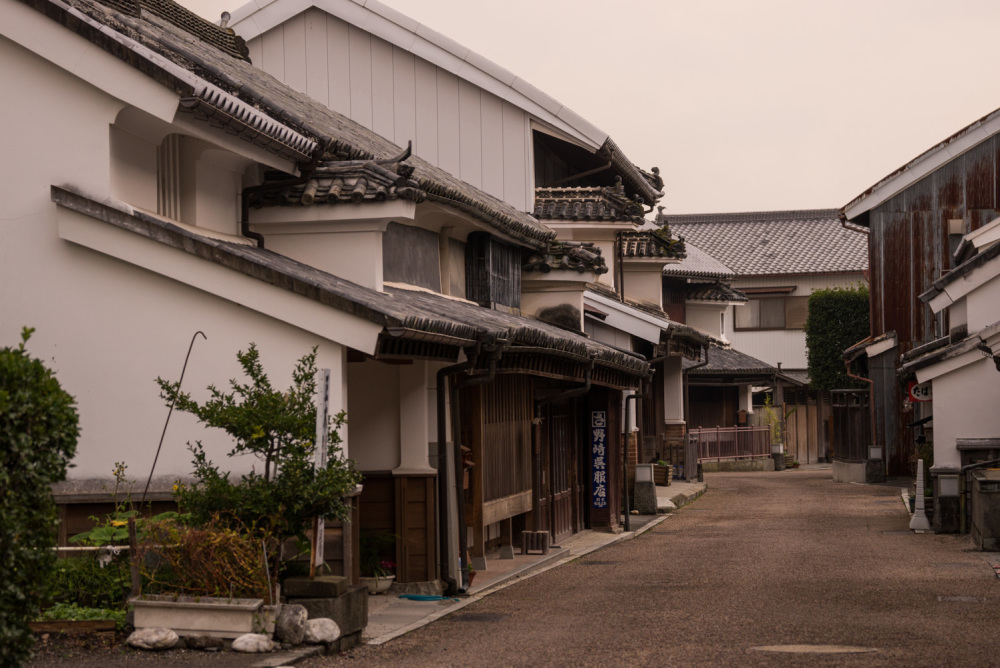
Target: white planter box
(202,615)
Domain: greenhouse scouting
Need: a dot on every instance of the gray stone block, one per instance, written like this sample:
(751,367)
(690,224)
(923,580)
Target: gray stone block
(645,498)
(349,611)
(324,586)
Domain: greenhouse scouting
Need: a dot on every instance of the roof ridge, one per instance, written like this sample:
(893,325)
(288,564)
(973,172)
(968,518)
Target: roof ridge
(752,216)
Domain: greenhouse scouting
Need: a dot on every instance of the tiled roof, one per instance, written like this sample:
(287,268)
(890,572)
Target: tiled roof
(591,204)
(257,91)
(698,264)
(579,256)
(223,39)
(651,244)
(418,315)
(714,292)
(728,361)
(775,242)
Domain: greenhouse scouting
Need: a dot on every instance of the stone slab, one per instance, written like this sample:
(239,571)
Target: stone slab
(324,586)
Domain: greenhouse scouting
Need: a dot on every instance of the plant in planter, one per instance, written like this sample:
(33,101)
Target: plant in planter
(471,573)
(279,428)
(377,571)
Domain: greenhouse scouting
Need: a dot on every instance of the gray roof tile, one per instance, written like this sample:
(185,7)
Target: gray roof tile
(775,242)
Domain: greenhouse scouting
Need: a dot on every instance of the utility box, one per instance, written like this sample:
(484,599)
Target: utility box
(985,528)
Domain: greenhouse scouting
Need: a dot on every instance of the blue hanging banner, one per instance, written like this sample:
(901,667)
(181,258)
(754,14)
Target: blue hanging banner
(599,456)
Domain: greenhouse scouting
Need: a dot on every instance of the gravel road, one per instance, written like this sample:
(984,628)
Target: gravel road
(789,560)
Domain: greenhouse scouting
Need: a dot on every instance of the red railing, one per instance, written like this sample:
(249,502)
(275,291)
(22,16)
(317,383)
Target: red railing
(720,443)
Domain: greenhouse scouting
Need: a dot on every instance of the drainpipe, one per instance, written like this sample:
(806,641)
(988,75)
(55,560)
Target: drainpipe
(620,256)
(871,409)
(442,475)
(641,394)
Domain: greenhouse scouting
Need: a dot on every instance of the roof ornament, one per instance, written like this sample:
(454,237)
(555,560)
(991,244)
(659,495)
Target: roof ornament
(224,20)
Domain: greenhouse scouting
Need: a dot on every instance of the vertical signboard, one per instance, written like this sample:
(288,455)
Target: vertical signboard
(599,457)
(320,454)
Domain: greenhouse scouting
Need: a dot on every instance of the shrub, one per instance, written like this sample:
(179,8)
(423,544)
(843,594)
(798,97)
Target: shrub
(838,318)
(278,428)
(38,434)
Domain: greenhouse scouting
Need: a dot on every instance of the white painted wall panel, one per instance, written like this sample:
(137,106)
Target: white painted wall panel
(492,132)
(317,61)
(404,97)
(272,58)
(295,53)
(256,52)
(426,144)
(360,54)
(454,124)
(449,153)
(470,133)
(515,158)
(383,114)
(338,65)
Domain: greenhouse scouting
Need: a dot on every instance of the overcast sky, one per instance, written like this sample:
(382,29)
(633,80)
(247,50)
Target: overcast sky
(744,106)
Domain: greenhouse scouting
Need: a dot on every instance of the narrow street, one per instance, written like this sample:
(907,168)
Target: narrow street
(762,559)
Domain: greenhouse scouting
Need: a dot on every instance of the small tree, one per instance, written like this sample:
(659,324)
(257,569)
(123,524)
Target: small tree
(38,434)
(838,318)
(279,428)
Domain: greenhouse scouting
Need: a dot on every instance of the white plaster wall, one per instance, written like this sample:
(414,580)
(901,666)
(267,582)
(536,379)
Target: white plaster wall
(673,391)
(608,335)
(705,317)
(355,256)
(644,282)
(965,406)
(538,295)
(456,125)
(133,169)
(983,305)
(373,423)
(109,328)
(787,347)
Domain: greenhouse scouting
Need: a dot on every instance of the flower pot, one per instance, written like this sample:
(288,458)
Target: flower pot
(472,576)
(378,585)
(197,615)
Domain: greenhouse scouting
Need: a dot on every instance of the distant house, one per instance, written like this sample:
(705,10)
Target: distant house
(916,219)
(778,259)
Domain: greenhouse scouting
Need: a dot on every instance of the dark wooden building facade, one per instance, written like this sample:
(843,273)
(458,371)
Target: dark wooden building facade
(914,219)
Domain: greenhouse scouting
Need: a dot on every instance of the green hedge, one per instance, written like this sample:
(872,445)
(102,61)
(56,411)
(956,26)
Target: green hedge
(838,318)
(38,433)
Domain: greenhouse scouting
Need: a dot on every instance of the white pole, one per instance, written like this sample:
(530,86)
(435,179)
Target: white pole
(919,520)
(322,443)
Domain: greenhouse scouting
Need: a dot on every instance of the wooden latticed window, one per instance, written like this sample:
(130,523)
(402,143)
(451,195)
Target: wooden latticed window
(492,272)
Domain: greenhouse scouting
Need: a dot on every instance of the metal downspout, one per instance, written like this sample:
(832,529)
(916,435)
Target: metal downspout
(442,475)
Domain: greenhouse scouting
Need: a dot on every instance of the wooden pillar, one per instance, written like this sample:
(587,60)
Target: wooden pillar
(475,493)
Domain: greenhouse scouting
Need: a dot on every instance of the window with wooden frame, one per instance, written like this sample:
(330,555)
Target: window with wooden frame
(771,308)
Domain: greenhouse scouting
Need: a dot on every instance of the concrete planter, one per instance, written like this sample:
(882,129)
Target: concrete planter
(198,615)
(378,585)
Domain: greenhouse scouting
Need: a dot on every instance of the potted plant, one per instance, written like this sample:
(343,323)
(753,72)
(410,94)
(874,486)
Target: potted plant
(377,572)
(471,572)
(662,473)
